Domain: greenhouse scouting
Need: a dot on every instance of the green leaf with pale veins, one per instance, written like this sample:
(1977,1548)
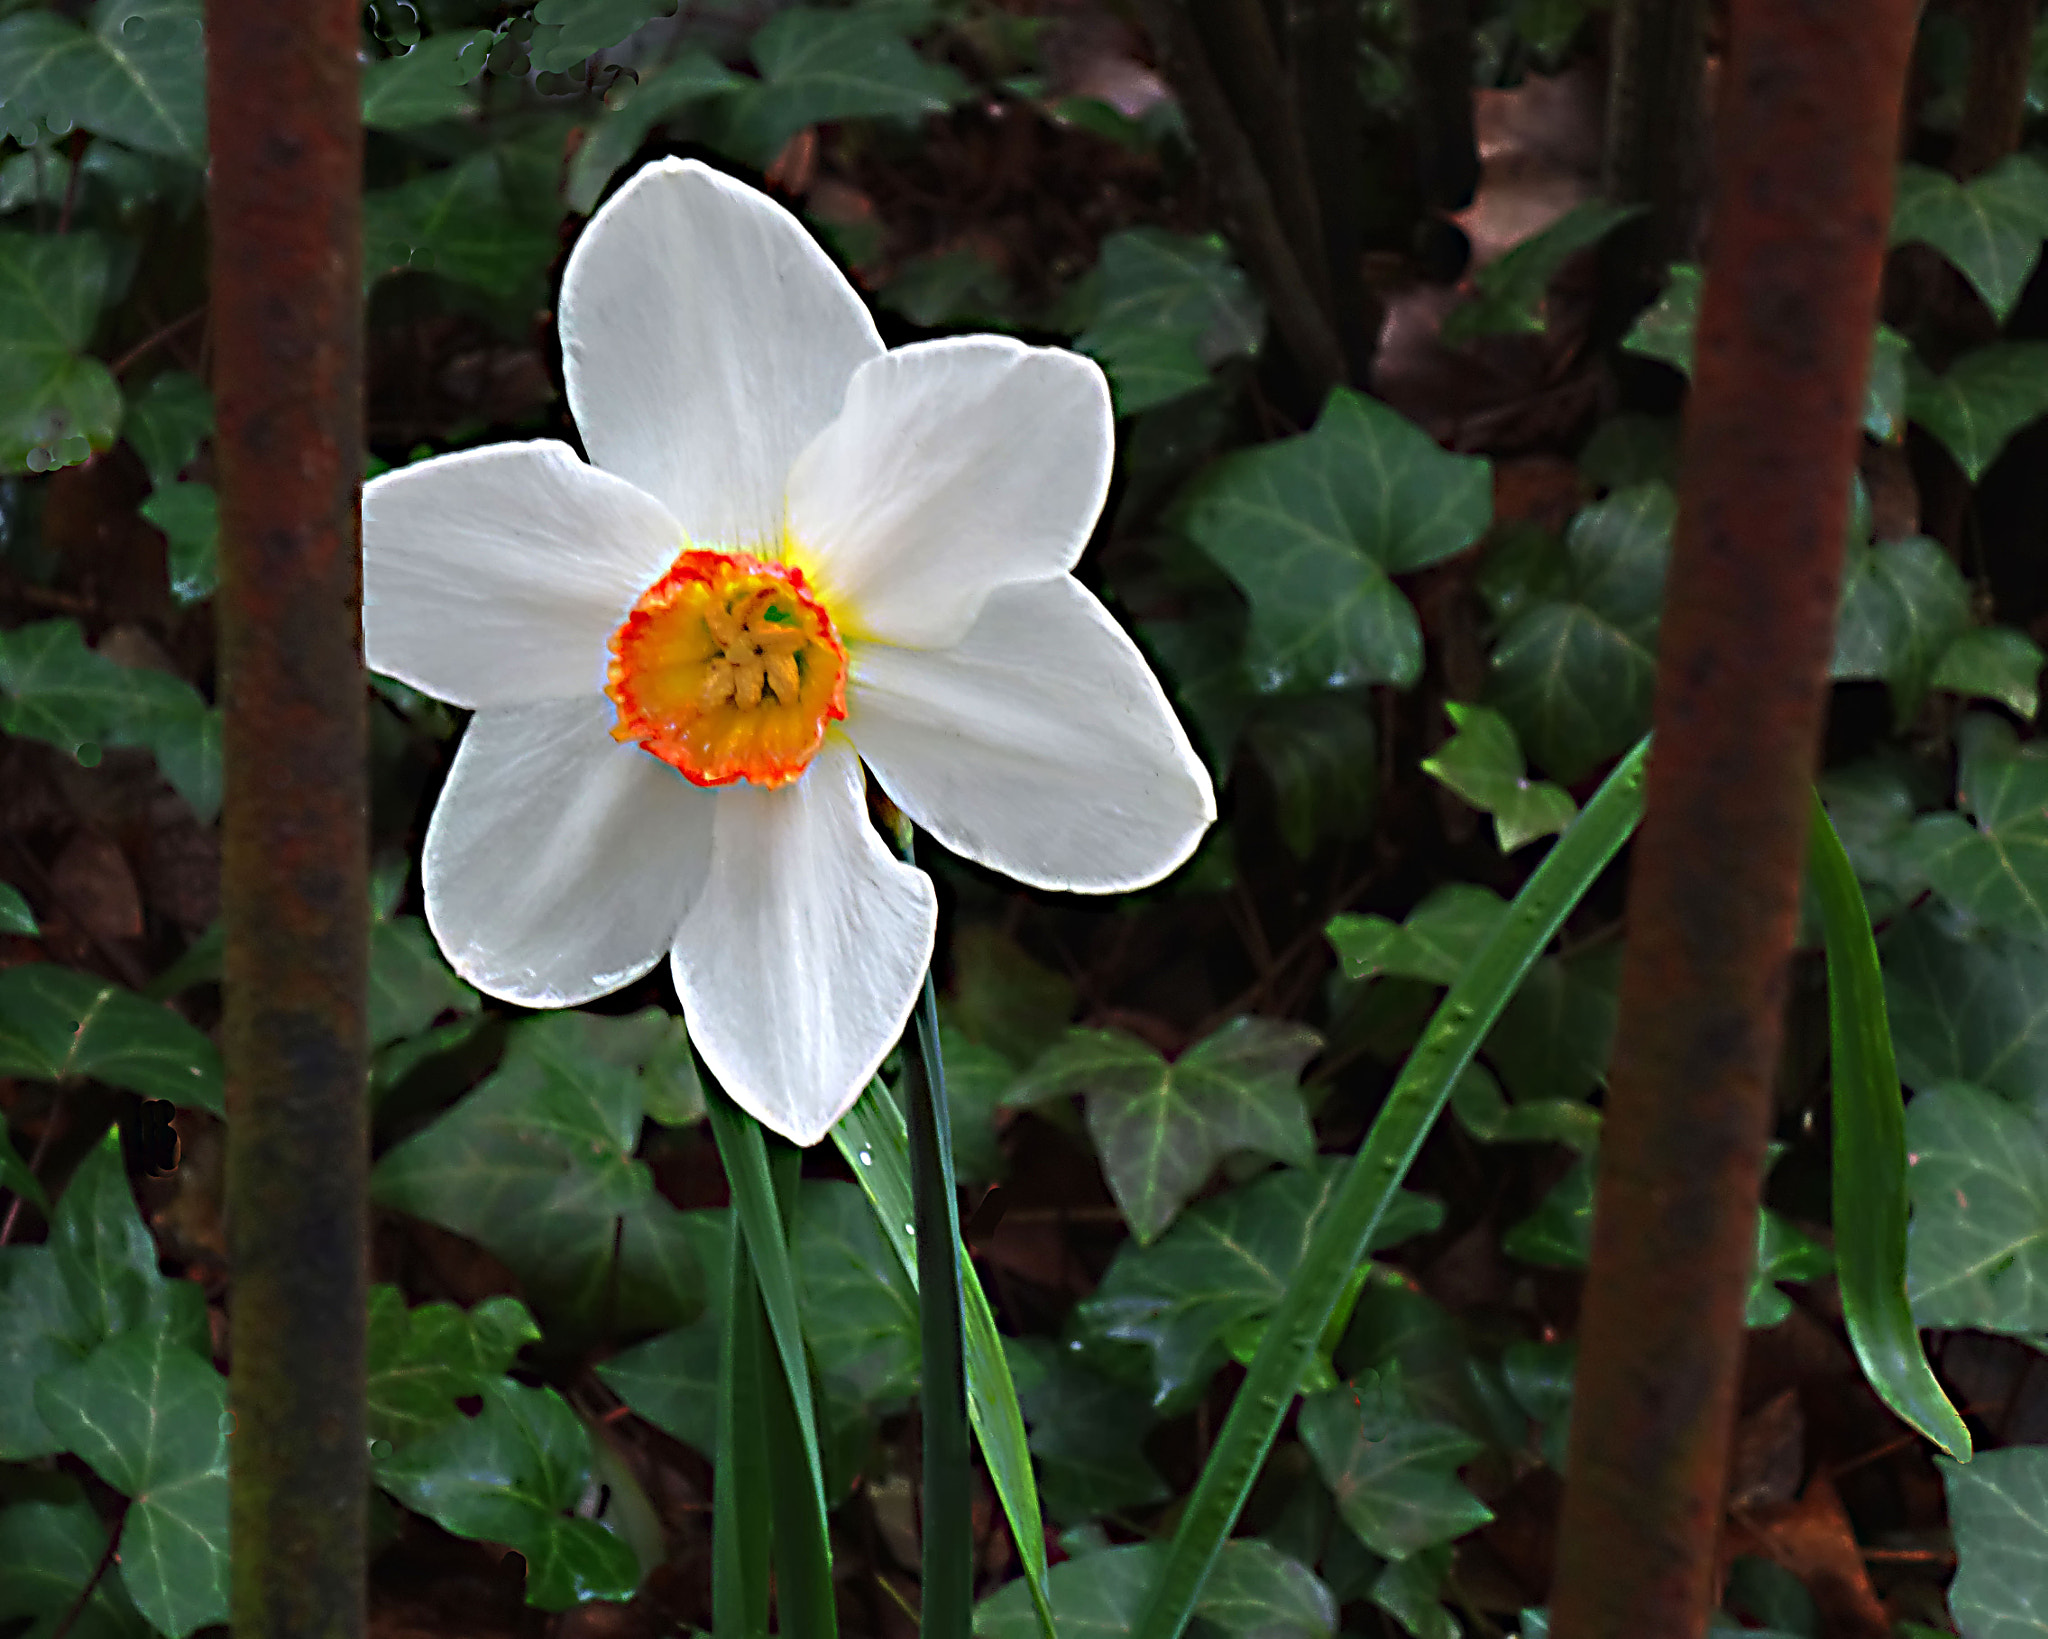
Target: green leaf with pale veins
(1508,293)
(411,984)
(1977,1244)
(432,82)
(488,221)
(616,135)
(1666,330)
(510,1475)
(1984,398)
(1904,604)
(1433,944)
(137,74)
(1226,1261)
(1998,1512)
(1994,663)
(149,1416)
(50,1548)
(189,517)
(1160,1128)
(40,1331)
(1990,227)
(58,404)
(570,30)
(167,421)
(1392,1470)
(1087,1432)
(1994,864)
(1967,1004)
(818,66)
(1573,671)
(859,1309)
(537,1165)
(1312,527)
(57,1024)
(15,915)
(1254,1592)
(1171,307)
(1482,762)
(422,1360)
(672,1379)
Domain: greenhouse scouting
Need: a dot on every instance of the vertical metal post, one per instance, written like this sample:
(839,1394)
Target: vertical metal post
(285,189)
(1808,141)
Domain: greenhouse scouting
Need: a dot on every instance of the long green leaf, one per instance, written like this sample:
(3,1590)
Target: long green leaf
(873,1138)
(745,1157)
(948,1552)
(1448,1043)
(803,1541)
(1870,1156)
(739,1499)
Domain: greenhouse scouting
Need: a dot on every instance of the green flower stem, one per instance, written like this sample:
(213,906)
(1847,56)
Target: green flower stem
(1870,1156)
(948,1571)
(1460,1023)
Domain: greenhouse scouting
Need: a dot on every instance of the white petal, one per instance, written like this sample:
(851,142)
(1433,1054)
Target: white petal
(1042,746)
(495,576)
(799,965)
(560,863)
(956,467)
(705,340)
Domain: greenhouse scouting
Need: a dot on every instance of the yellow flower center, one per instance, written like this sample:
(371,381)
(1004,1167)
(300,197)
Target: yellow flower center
(728,669)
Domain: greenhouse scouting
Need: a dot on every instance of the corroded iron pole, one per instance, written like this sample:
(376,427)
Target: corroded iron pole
(285,195)
(1808,139)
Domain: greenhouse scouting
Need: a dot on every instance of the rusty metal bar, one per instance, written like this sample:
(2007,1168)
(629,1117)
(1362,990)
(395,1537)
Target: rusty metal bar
(285,195)
(1808,138)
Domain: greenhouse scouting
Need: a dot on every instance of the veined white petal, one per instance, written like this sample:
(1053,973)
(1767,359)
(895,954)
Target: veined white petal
(800,963)
(560,863)
(1041,746)
(956,467)
(495,576)
(706,338)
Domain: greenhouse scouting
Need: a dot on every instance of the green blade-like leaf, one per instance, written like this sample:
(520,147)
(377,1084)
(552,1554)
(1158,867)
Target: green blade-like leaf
(745,1156)
(1870,1156)
(1372,1181)
(876,1143)
(741,1524)
(149,1416)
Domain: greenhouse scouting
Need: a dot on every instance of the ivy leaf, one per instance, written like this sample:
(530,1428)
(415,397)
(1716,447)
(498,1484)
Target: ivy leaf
(1482,762)
(1160,1129)
(1990,227)
(427,85)
(1253,1592)
(1986,396)
(1312,527)
(422,1360)
(138,75)
(1552,1040)
(1967,1005)
(1226,1261)
(60,404)
(167,422)
(1392,1471)
(616,135)
(509,1475)
(571,30)
(1977,1244)
(15,1174)
(1087,1432)
(1004,999)
(56,1024)
(15,915)
(1998,1511)
(488,221)
(103,1252)
(977,1080)
(411,984)
(1904,603)
(1666,331)
(1433,944)
(189,517)
(818,66)
(1573,672)
(1170,308)
(1319,753)
(149,1417)
(1994,663)
(536,1165)
(1488,1116)
(1508,293)
(40,1331)
(859,1310)
(49,1551)
(672,1380)
(1995,870)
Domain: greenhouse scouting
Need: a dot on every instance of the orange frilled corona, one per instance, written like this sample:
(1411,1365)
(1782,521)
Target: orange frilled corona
(728,669)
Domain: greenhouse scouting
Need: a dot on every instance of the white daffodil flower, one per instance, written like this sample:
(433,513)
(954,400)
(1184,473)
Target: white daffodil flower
(793,552)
